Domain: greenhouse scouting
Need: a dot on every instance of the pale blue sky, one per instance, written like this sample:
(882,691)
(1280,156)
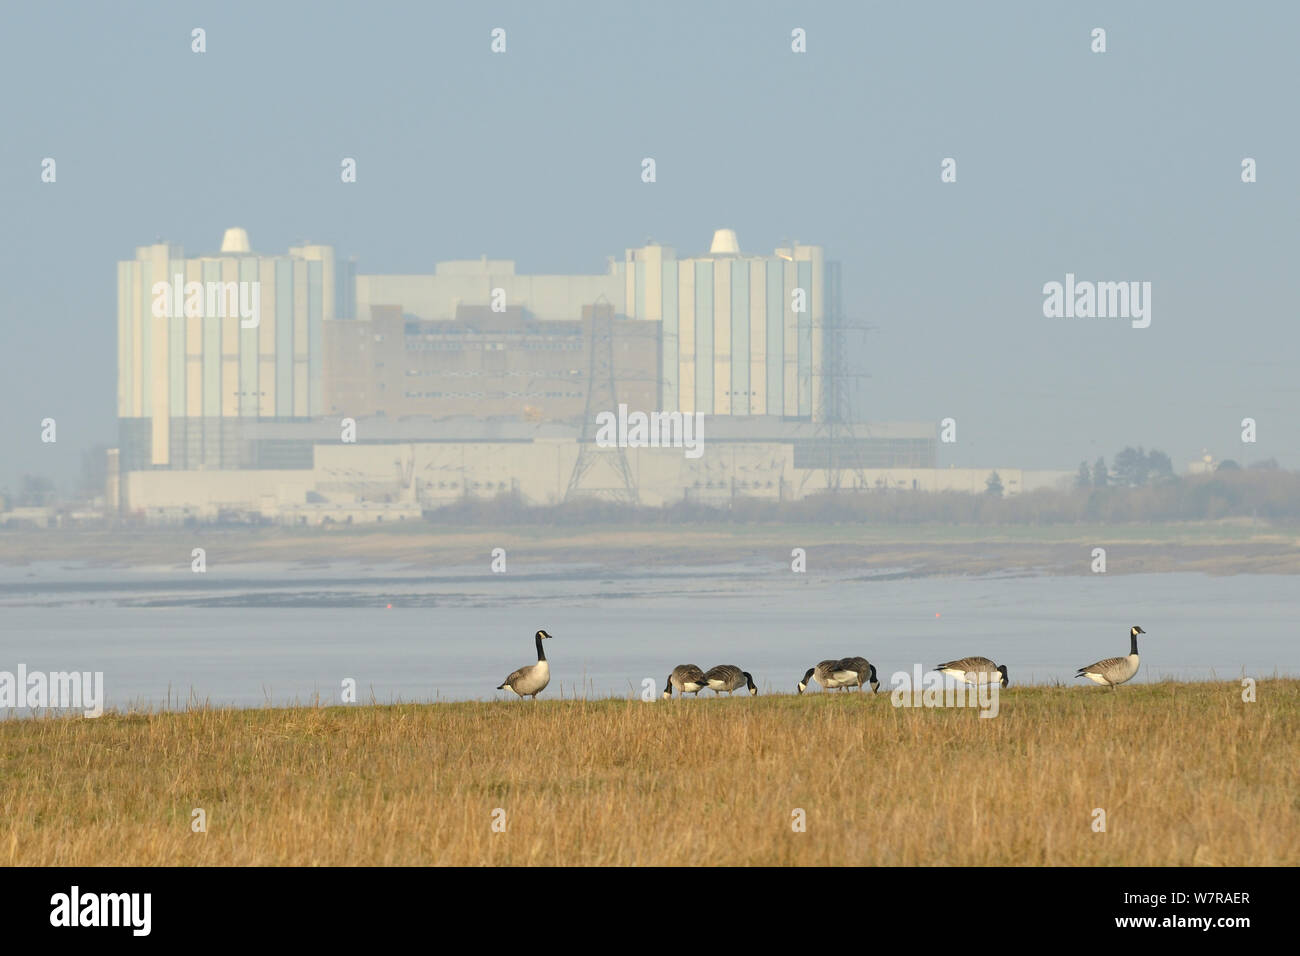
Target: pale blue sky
(1118,166)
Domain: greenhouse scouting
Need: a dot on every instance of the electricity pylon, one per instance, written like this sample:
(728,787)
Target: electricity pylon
(601,472)
(834,431)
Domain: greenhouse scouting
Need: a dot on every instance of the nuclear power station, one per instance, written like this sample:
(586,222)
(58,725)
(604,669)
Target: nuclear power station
(291,388)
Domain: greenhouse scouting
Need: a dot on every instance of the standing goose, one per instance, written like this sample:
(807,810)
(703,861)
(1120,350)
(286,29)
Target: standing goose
(687,678)
(1115,670)
(975,670)
(729,677)
(856,672)
(823,673)
(531,680)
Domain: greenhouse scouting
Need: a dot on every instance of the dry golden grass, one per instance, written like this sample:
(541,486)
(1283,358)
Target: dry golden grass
(1187,773)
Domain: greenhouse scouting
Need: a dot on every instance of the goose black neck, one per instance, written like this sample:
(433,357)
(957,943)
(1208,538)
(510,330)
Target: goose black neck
(541,654)
(1133,639)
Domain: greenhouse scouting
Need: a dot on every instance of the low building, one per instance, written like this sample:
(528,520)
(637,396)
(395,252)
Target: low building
(396,470)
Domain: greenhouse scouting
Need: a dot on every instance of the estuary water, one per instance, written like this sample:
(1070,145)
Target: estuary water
(277,634)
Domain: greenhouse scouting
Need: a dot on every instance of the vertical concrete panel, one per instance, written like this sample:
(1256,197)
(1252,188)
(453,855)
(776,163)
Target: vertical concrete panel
(668,330)
(248,340)
(229,344)
(776,311)
(820,317)
(790,344)
(315,315)
(211,351)
(654,285)
(757,337)
(804,325)
(686,334)
(740,337)
(176,336)
(266,341)
(301,341)
(139,310)
(704,324)
(284,338)
(159,362)
(193,349)
(722,337)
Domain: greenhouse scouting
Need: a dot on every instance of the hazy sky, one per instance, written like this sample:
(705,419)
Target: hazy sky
(1117,166)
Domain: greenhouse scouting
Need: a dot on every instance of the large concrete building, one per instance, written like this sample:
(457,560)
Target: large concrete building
(742,334)
(287,386)
(738,334)
(205,343)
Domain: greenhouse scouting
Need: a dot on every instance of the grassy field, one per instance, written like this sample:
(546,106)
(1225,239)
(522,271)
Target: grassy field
(1188,774)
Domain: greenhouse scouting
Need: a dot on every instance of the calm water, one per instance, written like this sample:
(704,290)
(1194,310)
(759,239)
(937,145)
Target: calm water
(279,633)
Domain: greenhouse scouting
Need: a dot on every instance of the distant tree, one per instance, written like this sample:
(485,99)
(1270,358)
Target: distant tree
(993,485)
(94,471)
(37,492)
(1268,464)
(1131,467)
(1100,475)
(1084,478)
(1228,465)
(1159,467)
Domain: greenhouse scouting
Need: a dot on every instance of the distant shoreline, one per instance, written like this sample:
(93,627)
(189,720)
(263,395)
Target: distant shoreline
(1229,547)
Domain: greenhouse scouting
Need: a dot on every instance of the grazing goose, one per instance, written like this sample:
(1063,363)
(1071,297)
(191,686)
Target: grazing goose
(856,672)
(975,670)
(687,678)
(729,677)
(823,673)
(1115,670)
(531,680)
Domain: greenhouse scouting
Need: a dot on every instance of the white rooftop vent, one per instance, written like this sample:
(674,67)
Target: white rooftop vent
(725,243)
(235,240)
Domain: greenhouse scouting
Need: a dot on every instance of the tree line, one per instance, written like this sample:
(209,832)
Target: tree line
(1261,492)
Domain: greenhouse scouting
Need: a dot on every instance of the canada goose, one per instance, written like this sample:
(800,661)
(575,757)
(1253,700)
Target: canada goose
(856,672)
(531,680)
(729,677)
(975,670)
(823,674)
(1115,670)
(687,678)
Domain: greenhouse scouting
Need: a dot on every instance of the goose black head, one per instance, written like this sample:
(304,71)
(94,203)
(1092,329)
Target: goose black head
(803,684)
(1002,669)
(543,636)
(749,681)
(668,687)
(1135,630)
(875,684)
